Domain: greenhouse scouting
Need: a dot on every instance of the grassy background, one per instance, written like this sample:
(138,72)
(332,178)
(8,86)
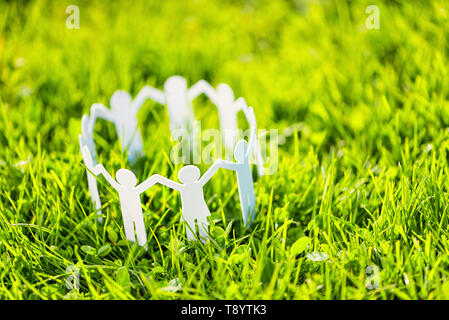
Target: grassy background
(361,182)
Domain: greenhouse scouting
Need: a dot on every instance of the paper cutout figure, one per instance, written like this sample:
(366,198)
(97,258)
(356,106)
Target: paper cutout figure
(123,114)
(177,97)
(228,107)
(253,129)
(126,124)
(149,92)
(223,99)
(86,140)
(130,204)
(194,206)
(242,167)
(179,107)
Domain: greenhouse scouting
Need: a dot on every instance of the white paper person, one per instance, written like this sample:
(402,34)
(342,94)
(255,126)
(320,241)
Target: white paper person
(179,107)
(130,203)
(194,206)
(123,114)
(178,99)
(242,167)
(228,107)
(86,140)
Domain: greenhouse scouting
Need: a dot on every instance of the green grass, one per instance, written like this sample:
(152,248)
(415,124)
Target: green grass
(363,178)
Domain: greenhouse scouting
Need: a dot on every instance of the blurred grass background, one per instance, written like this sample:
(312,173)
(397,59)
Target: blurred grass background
(362,180)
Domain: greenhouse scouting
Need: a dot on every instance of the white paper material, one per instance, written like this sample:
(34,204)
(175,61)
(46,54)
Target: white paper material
(86,140)
(179,108)
(194,207)
(242,167)
(178,98)
(124,115)
(241,105)
(228,107)
(130,203)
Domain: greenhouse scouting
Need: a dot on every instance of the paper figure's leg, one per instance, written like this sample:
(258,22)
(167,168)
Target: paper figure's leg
(140,231)
(190,225)
(189,233)
(129,229)
(244,207)
(203,228)
(251,207)
(93,190)
(246,222)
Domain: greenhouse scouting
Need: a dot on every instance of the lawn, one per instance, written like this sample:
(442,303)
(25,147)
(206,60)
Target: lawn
(358,206)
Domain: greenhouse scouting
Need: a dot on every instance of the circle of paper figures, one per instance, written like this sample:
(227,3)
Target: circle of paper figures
(178,99)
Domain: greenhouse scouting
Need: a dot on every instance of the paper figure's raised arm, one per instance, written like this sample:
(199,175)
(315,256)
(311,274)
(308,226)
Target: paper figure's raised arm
(240,104)
(229,165)
(148,183)
(99,169)
(210,172)
(200,87)
(167,182)
(148,92)
(98,110)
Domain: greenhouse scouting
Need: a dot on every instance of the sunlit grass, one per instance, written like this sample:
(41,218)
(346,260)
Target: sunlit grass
(361,182)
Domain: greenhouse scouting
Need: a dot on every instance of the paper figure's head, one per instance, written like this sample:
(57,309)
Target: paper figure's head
(175,84)
(120,99)
(240,151)
(225,92)
(126,177)
(189,174)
